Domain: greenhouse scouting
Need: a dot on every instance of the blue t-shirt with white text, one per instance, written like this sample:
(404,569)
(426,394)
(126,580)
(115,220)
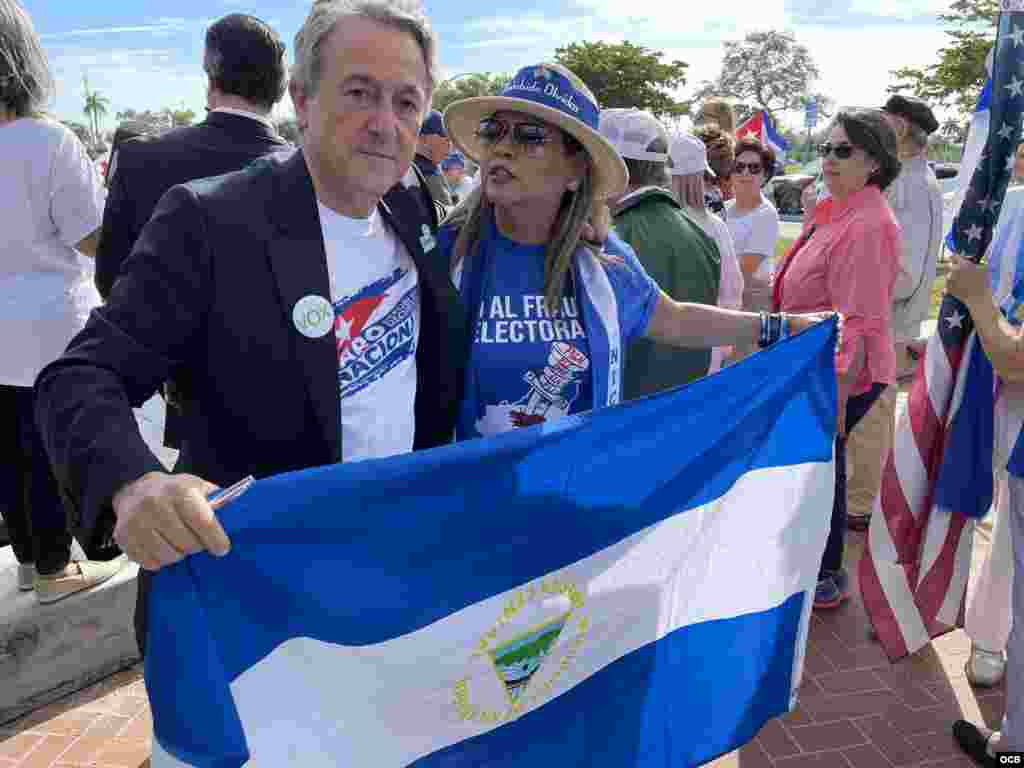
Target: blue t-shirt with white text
(533,365)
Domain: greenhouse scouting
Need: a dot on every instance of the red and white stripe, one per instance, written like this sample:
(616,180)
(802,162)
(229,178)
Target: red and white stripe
(913,576)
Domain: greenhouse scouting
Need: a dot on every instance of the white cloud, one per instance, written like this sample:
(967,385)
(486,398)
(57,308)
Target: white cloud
(103,31)
(900,9)
(687,19)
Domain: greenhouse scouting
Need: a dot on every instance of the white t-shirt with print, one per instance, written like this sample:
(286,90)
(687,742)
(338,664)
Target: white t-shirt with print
(375,293)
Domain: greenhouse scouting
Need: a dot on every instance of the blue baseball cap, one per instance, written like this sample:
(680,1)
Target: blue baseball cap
(554,94)
(433,125)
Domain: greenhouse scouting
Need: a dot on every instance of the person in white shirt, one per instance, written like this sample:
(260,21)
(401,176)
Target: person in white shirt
(52,199)
(754,224)
(689,166)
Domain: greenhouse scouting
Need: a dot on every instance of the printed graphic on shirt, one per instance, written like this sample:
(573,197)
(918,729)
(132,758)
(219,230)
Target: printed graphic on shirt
(375,330)
(548,390)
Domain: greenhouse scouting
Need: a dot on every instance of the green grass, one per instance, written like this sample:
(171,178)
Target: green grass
(937,287)
(781,246)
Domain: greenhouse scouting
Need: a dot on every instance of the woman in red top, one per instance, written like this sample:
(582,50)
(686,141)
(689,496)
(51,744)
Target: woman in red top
(847,260)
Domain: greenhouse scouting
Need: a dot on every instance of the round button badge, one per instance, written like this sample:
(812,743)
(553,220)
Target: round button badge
(313,316)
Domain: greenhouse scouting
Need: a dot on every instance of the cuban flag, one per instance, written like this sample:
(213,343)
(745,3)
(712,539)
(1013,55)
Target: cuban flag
(762,127)
(631,587)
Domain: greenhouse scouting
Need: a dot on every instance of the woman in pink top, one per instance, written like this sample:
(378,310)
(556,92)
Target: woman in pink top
(847,260)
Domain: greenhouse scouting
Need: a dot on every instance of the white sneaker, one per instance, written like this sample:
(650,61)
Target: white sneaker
(26,576)
(985,669)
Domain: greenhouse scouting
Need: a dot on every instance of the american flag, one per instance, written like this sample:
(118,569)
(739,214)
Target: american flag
(913,575)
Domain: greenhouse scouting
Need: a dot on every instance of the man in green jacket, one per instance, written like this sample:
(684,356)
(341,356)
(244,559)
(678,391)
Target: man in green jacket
(674,250)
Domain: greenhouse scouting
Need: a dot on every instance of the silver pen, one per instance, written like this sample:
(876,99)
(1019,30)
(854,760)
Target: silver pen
(219,498)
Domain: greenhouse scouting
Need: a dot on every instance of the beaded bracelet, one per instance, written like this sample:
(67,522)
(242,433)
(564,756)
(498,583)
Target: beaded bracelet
(774,326)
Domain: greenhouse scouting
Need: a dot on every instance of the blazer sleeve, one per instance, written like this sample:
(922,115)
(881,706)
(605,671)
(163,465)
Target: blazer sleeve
(128,348)
(119,230)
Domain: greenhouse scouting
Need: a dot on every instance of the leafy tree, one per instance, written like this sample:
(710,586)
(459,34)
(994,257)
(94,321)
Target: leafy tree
(180,117)
(95,109)
(152,121)
(467,86)
(959,75)
(953,131)
(627,75)
(765,70)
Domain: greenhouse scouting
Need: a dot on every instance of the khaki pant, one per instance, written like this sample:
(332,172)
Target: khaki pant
(867,449)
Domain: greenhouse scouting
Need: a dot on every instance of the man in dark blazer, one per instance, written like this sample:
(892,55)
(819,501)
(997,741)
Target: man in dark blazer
(245,67)
(224,293)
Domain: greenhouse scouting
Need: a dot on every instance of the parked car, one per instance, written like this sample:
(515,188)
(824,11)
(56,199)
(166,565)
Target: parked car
(784,191)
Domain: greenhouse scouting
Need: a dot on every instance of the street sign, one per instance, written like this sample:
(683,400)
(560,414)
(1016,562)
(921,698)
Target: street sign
(811,114)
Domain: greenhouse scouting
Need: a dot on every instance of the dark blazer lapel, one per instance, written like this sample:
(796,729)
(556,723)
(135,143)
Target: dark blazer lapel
(299,263)
(443,338)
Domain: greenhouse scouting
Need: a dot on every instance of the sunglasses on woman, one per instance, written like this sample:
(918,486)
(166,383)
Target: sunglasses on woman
(741,168)
(841,151)
(532,136)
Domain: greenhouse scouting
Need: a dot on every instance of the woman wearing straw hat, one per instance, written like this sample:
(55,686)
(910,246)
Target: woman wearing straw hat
(554,312)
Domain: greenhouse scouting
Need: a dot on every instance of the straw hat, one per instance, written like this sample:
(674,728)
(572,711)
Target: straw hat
(555,95)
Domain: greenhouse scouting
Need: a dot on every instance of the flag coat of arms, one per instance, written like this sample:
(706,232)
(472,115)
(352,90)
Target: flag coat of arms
(630,587)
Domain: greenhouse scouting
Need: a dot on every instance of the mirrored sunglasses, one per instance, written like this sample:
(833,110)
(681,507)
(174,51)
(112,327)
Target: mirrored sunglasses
(492,130)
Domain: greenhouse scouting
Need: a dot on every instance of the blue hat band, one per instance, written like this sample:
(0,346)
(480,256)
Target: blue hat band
(551,89)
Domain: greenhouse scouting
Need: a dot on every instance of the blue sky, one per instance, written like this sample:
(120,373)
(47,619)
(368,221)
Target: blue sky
(146,54)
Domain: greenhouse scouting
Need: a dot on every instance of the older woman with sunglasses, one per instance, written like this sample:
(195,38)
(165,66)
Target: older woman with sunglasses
(847,259)
(553,314)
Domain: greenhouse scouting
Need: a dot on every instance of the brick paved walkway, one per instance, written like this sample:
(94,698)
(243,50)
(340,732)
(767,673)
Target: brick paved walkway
(856,710)
(105,726)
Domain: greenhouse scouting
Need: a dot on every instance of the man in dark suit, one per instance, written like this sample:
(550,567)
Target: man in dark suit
(245,67)
(264,295)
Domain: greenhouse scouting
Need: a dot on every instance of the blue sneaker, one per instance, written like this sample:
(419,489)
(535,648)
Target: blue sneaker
(833,589)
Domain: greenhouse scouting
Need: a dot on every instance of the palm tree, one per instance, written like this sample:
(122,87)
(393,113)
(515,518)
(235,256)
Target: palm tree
(95,109)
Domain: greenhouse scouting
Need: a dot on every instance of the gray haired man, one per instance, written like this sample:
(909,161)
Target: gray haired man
(258,293)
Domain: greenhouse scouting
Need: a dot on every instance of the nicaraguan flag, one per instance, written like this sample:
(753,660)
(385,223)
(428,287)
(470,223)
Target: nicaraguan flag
(628,588)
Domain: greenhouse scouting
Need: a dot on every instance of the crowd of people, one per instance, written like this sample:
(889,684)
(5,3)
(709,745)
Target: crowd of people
(543,257)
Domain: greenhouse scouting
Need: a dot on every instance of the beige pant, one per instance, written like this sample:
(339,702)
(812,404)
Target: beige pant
(867,449)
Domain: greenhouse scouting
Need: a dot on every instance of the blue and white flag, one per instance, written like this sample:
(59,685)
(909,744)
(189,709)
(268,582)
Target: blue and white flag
(1006,255)
(630,587)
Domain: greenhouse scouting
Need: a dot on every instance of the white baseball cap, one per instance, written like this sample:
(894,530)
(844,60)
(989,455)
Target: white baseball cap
(689,155)
(631,131)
